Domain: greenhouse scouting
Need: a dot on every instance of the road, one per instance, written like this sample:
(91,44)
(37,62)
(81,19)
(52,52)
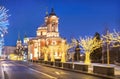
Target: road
(23,70)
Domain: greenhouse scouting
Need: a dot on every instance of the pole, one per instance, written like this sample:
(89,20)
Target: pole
(73,60)
(108,54)
(102,55)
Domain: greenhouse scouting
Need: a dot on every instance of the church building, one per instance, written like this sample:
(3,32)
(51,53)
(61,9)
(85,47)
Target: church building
(46,44)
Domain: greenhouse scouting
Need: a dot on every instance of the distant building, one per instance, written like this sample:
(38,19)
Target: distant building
(19,46)
(47,39)
(25,47)
(7,50)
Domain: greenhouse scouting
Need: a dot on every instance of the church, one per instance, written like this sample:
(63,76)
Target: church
(47,44)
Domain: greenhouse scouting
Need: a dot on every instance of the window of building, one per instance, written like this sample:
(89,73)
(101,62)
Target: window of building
(54,42)
(41,33)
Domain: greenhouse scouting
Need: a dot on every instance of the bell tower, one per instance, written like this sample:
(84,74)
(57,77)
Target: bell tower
(19,43)
(52,24)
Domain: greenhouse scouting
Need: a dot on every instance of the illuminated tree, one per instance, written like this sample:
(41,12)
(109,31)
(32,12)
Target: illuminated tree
(96,55)
(64,47)
(3,25)
(45,51)
(88,45)
(51,49)
(116,39)
(112,40)
(72,47)
(108,39)
(116,45)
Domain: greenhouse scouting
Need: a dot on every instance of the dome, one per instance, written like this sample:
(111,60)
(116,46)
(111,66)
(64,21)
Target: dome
(42,27)
(52,12)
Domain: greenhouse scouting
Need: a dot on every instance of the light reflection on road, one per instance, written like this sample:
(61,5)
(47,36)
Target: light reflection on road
(23,70)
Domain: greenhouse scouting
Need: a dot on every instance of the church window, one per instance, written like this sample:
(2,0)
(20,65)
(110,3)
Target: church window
(41,33)
(54,42)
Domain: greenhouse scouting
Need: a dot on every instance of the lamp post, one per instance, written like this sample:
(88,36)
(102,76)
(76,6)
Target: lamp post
(108,39)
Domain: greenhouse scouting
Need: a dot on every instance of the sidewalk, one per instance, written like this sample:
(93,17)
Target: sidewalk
(90,70)
(117,68)
(1,71)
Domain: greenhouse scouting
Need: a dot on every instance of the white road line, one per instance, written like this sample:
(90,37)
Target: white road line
(57,73)
(43,73)
(5,65)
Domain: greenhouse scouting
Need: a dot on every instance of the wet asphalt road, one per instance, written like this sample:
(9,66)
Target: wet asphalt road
(23,70)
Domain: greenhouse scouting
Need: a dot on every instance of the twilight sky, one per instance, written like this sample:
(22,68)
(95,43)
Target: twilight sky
(76,17)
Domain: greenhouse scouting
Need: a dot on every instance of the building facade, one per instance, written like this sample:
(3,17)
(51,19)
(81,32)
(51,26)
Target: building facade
(7,50)
(46,44)
(19,47)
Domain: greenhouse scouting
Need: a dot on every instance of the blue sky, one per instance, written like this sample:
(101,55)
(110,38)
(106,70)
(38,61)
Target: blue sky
(76,17)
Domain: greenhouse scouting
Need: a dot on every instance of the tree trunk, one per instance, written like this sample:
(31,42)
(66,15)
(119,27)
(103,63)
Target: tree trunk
(46,57)
(63,59)
(87,58)
(52,57)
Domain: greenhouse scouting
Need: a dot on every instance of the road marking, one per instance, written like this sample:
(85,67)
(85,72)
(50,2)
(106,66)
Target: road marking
(6,65)
(36,71)
(57,73)
(43,73)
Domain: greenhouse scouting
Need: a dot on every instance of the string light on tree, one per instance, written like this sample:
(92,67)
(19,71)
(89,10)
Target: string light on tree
(110,39)
(88,44)
(3,25)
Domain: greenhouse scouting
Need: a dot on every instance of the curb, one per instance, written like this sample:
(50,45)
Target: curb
(78,71)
